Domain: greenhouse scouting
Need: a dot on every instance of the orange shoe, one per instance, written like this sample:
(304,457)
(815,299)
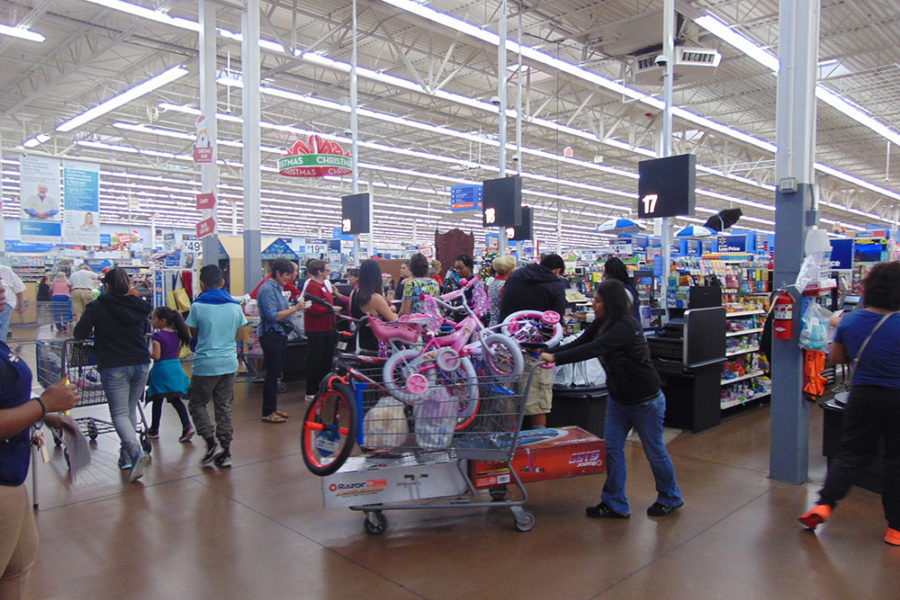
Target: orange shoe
(816,516)
(892,537)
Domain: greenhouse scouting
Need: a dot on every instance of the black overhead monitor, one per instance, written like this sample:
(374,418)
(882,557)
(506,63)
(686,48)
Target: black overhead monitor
(355,213)
(502,202)
(523,231)
(666,187)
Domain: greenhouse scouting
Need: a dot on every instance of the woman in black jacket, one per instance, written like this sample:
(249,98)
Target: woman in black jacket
(120,322)
(635,400)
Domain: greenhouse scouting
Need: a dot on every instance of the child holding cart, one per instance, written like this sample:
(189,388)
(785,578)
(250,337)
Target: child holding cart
(167,380)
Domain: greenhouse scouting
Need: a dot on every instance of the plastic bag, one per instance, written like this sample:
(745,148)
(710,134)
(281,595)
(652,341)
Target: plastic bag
(814,327)
(586,373)
(385,426)
(435,418)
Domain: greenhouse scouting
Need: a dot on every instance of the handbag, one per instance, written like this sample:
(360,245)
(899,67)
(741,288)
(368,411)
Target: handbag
(842,392)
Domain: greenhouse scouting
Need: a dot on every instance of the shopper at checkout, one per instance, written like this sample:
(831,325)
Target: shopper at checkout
(274,312)
(868,338)
(635,400)
(318,323)
(367,300)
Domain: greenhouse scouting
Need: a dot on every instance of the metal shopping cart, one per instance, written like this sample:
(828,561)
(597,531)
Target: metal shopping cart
(417,457)
(75,359)
(57,313)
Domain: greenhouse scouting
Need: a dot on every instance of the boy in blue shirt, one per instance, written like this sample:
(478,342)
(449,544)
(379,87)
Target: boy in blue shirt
(217,321)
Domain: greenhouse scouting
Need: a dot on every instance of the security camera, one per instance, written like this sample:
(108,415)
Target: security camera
(348,132)
(660,60)
(495,100)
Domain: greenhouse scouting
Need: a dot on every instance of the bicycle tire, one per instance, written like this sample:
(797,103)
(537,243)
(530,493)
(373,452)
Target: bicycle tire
(503,356)
(397,370)
(328,431)
(537,332)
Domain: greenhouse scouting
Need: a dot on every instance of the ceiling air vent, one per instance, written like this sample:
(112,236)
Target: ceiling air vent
(691,64)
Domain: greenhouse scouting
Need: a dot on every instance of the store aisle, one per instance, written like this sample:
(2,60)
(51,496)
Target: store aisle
(259,530)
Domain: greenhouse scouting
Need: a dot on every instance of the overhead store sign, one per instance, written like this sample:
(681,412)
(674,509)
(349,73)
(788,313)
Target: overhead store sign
(206,201)
(466,197)
(206,227)
(317,157)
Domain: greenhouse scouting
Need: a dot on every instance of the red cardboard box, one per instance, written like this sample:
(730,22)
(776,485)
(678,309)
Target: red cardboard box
(544,454)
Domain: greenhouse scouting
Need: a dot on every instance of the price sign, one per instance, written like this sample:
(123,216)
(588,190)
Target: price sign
(316,246)
(191,245)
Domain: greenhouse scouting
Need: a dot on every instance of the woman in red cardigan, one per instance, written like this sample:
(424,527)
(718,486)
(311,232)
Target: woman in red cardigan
(318,322)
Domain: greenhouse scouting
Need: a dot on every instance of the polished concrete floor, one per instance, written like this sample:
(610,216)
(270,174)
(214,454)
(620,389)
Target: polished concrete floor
(259,529)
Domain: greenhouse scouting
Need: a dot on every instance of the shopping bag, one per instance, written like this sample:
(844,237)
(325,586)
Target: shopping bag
(182,301)
(814,327)
(435,418)
(385,426)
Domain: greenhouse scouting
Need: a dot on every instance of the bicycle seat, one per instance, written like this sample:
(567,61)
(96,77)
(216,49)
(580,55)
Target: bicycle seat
(404,331)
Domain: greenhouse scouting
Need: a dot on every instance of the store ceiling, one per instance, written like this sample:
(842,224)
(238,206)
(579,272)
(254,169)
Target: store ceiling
(417,76)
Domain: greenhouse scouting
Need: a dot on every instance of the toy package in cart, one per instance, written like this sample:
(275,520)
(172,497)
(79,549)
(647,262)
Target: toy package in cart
(543,454)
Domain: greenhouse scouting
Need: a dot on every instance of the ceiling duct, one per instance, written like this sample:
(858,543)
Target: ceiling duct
(633,36)
(691,64)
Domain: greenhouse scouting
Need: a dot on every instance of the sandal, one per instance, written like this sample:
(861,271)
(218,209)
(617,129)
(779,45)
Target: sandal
(274,418)
(281,414)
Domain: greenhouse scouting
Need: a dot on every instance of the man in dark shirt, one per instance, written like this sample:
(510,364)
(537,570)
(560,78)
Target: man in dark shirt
(537,287)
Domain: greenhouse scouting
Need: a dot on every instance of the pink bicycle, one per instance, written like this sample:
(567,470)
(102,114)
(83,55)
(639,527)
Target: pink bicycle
(450,359)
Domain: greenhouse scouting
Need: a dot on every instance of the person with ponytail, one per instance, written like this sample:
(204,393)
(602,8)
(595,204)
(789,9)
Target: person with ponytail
(167,380)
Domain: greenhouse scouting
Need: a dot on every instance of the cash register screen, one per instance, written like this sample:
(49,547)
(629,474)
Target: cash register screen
(705,332)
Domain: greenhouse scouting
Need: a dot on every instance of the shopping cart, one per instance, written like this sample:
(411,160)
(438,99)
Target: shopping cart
(416,457)
(57,313)
(75,360)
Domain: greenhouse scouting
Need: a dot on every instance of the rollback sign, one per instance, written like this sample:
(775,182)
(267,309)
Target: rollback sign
(316,157)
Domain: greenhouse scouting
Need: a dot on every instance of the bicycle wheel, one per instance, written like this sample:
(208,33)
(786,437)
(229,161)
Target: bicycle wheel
(503,356)
(397,370)
(328,430)
(528,326)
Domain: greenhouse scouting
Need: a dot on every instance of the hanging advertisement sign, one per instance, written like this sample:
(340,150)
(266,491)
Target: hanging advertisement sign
(206,201)
(315,246)
(466,197)
(40,220)
(841,254)
(206,227)
(81,220)
(203,145)
(732,243)
(317,157)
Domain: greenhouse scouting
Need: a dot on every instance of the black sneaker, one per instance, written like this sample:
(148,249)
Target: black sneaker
(604,511)
(223,459)
(211,448)
(661,510)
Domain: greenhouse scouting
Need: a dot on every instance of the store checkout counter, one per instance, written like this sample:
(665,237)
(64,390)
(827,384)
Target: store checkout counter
(688,353)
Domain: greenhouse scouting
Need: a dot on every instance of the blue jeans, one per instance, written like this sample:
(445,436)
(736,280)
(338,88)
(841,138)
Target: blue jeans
(5,316)
(647,417)
(124,387)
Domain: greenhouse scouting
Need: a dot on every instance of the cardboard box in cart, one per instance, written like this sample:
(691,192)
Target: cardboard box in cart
(371,480)
(543,454)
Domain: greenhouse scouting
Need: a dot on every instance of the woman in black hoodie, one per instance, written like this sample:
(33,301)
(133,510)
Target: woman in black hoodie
(120,322)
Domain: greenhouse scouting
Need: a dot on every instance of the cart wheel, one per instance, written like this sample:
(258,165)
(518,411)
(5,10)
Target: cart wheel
(92,430)
(375,522)
(525,521)
(498,493)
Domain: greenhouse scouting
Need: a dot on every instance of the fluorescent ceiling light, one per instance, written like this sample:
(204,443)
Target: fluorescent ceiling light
(36,140)
(125,97)
(22,33)
(154,15)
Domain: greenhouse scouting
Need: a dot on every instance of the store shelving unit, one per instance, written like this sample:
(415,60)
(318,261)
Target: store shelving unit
(744,376)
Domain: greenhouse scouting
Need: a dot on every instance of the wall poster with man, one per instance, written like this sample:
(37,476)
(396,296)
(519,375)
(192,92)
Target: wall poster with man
(41,220)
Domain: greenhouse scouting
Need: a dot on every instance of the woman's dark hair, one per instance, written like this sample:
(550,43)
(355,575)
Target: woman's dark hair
(616,269)
(369,281)
(117,282)
(616,304)
(280,266)
(314,267)
(418,265)
(881,287)
(466,260)
(353,272)
(174,319)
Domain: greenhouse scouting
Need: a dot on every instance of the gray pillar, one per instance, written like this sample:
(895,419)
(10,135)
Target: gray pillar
(250,104)
(209,171)
(354,129)
(668,95)
(796,137)
(501,90)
